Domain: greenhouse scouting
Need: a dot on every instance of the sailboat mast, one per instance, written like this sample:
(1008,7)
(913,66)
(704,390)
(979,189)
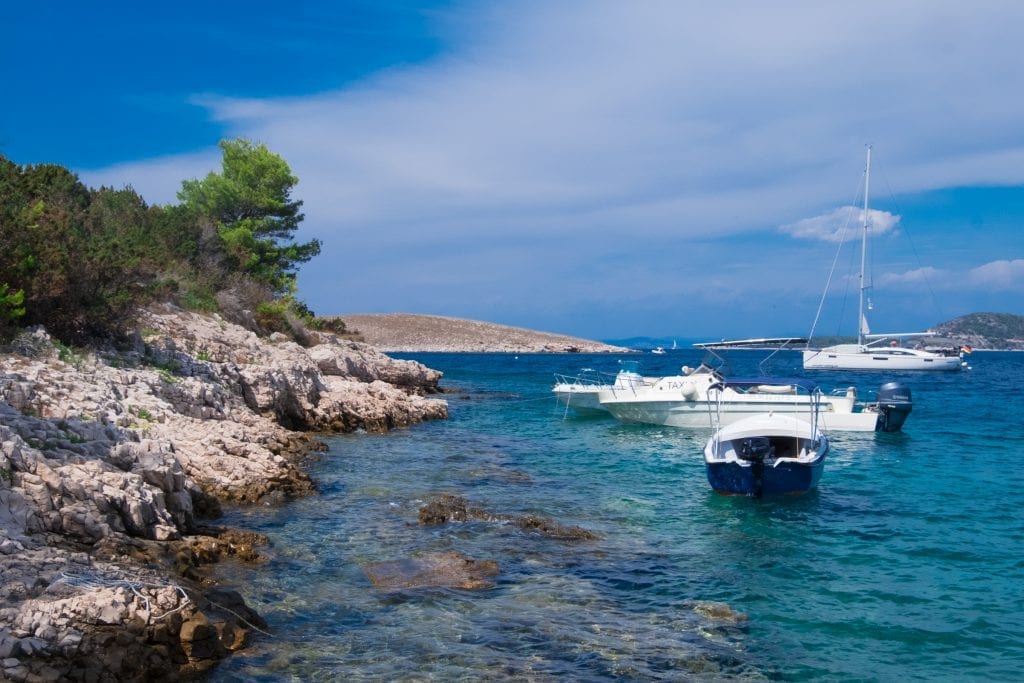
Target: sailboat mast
(864,249)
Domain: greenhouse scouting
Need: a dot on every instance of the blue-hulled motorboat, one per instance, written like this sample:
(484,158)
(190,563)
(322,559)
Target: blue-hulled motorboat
(766,454)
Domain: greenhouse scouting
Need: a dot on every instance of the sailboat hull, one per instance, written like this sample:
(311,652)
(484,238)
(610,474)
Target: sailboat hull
(880,360)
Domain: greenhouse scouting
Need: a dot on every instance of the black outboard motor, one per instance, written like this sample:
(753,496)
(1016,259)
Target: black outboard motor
(894,406)
(756,448)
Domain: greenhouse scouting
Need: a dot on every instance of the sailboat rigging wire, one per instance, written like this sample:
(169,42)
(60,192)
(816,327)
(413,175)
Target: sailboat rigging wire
(832,270)
(917,258)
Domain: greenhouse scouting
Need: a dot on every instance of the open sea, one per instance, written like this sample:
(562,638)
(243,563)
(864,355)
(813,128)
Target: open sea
(906,563)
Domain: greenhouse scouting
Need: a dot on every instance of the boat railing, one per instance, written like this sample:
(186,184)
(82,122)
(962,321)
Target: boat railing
(586,378)
(816,401)
(717,390)
(618,389)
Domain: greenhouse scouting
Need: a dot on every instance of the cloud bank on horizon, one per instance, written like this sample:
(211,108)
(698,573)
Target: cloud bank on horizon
(668,168)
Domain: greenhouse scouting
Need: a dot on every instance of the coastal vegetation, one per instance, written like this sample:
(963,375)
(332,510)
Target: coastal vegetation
(81,261)
(115,458)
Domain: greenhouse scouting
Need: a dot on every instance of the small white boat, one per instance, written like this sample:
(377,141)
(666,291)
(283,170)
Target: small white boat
(685,401)
(866,355)
(580,392)
(767,454)
(658,350)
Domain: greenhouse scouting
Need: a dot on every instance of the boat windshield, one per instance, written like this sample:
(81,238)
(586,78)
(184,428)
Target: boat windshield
(629,366)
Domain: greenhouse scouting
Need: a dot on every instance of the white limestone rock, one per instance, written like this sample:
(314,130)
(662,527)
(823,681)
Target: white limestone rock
(137,444)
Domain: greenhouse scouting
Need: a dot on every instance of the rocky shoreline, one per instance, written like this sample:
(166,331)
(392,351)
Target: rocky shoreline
(409,333)
(113,463)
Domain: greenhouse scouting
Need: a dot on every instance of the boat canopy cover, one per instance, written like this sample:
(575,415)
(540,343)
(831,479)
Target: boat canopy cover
(766,424)
(750,382)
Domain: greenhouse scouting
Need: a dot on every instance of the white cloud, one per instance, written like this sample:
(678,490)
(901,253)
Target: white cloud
(998,276)
(575,126)
(924,277)
(844,223)
(668,115)
(995,276)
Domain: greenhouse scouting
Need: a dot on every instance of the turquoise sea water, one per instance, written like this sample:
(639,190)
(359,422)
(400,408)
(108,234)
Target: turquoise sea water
(907,562)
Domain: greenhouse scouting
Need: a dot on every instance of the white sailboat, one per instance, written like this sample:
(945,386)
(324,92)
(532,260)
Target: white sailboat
(865,354)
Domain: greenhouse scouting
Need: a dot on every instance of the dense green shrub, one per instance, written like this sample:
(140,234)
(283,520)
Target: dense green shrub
(64,254)
(250,204)
(11,308)
(80,261)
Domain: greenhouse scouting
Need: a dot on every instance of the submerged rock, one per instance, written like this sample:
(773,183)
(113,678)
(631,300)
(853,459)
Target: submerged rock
(448,507)
(717,621)
(717,611)
(553,529)
(436,570)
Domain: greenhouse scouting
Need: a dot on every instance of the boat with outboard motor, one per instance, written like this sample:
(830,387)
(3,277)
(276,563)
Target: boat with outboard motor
(686,400)
(766,453)
(580,391)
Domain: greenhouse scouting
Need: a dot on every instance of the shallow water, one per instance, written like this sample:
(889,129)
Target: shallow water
(906,563)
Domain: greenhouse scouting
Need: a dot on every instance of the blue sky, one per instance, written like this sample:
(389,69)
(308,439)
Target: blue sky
(602,169)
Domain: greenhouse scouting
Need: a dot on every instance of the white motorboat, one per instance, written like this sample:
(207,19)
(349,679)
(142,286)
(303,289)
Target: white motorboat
(685,401)
(866,355)
(579,392)
(767,453)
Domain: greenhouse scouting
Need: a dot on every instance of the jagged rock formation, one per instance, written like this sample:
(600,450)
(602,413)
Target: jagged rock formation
(405,332)
(109,462)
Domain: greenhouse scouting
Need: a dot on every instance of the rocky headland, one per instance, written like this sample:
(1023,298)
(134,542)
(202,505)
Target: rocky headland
(408,332)
(114,462)
(985,331)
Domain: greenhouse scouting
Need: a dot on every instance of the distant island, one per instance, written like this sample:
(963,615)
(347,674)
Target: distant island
(408,332)
(987,331)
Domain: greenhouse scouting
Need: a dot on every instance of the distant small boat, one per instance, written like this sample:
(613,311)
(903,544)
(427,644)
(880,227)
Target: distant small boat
(658,350)
(580,392)
(767,454)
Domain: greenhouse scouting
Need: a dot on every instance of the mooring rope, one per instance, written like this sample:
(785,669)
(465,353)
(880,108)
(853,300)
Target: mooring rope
(95,581)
